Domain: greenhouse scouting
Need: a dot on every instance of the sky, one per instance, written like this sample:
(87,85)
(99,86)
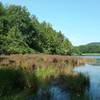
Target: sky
(79,20)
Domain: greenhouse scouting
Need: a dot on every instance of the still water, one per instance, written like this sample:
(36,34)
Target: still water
(93,71)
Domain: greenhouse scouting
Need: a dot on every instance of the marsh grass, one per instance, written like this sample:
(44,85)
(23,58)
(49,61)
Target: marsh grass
(45,76)
(45,72)
(22,75)
(28,60)
(13,82)
(2,58)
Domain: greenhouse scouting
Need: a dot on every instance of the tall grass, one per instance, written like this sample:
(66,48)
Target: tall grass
(27,61)
(20,73)
(17,84)
(45,72)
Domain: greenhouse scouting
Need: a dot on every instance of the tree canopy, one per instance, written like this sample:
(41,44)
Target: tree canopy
(21,32)
(90,48)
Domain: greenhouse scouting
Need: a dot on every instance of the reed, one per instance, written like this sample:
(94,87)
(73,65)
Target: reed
(31,72)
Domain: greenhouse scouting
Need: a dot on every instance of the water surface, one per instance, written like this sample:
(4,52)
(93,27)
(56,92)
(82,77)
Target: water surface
(93,71)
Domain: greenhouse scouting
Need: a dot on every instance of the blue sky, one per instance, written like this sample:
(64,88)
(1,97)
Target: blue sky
(79,20)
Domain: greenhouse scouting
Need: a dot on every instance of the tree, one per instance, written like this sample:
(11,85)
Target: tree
(13,43)
(22,33)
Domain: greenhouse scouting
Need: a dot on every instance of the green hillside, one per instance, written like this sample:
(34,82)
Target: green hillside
(93,47)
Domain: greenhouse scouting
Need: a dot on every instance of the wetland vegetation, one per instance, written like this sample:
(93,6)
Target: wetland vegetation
(22,76)
(37,62)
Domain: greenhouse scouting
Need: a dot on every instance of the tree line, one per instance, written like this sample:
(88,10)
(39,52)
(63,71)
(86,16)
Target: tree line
(90,48)
(21,32)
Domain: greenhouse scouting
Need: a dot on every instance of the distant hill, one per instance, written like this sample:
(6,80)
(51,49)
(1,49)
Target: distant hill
(93,47)
(94,43)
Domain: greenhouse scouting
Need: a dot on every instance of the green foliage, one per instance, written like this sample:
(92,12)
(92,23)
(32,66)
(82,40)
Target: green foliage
(13,43)
(2,10)
(90,48)
(22,33)
(76,51)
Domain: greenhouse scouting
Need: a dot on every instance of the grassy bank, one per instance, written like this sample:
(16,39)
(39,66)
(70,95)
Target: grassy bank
(22,75)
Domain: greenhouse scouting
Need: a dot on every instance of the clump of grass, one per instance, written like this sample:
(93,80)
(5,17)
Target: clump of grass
(44,73)
(31,81)
(2,58)
(55,60)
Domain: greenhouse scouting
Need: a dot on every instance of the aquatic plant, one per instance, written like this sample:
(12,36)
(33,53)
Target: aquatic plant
(76,83)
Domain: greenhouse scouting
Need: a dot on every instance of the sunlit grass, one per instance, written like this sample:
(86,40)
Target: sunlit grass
(43,72)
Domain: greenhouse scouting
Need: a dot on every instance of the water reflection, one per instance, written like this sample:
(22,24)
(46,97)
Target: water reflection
(93,70)
(83,96)
(59,89)
(96,57)
(56,93)
(53,93)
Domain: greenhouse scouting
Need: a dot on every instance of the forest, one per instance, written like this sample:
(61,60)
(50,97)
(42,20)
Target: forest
(21,32)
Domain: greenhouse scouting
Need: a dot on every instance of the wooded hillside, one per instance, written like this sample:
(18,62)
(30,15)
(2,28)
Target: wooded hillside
(21,32)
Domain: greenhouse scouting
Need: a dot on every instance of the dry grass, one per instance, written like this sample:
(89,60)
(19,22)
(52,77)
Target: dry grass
(44,65)
(31,61)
